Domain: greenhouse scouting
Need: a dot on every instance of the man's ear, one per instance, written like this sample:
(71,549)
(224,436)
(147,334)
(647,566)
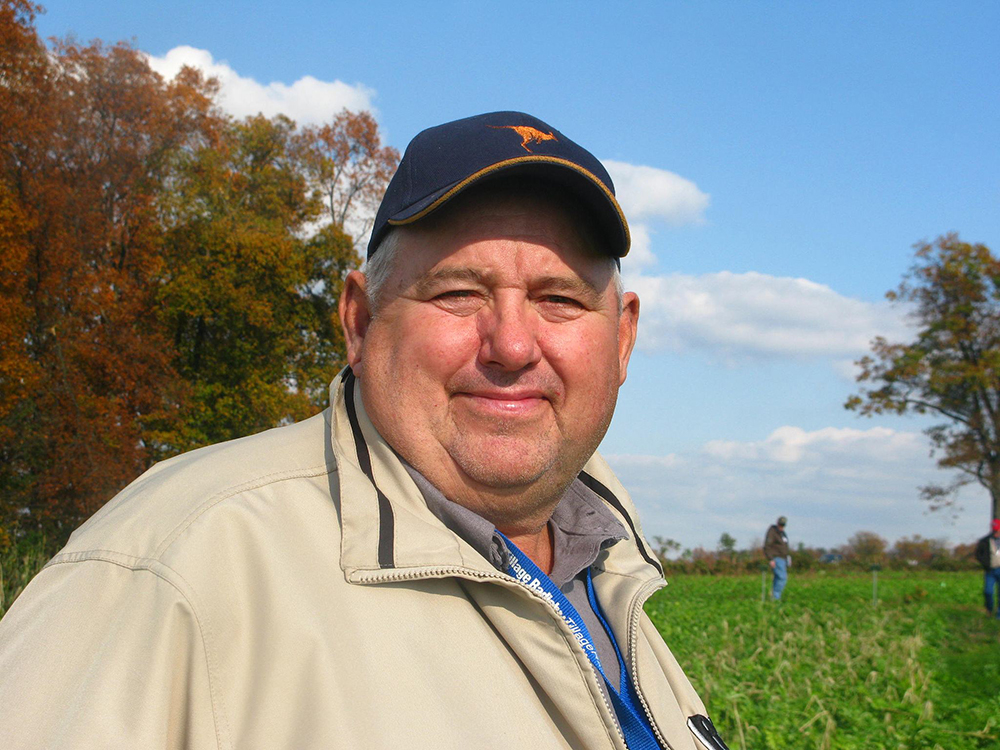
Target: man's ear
(628,323)
(355,316)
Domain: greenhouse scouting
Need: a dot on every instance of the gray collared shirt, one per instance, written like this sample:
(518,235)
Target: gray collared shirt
(581,526)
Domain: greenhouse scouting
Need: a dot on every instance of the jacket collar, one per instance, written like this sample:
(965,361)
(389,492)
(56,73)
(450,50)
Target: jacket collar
(388,531)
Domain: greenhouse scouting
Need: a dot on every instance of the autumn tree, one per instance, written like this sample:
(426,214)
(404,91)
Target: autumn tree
(168,276)
(951,369)
(917,550)
(346,163)
(85,145)
(866,547)
(263,226)
(24,76)
(249,296)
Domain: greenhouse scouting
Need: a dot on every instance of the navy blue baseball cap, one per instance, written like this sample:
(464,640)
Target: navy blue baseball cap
(444,161)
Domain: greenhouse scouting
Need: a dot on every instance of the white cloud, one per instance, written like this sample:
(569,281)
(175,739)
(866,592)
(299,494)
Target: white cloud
(731,314)
(847,369)
(640,255)
(648,193)
(671,459)
(307,101)
(830,482)
(735,315)
(793,445)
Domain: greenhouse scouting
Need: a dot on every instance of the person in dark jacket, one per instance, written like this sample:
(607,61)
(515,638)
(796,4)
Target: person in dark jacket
(988,555)
(777,554)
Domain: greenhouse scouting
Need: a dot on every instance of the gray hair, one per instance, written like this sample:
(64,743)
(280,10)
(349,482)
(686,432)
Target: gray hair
(378,268)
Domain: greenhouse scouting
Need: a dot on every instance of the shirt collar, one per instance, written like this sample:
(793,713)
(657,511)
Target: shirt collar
(581,527)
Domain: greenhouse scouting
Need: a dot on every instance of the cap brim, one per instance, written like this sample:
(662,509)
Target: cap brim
(572,176)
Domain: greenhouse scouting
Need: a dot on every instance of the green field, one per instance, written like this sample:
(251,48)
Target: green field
(827,669)
(824,669)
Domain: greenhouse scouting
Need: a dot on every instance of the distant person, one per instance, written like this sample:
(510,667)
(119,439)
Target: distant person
(988,555)
(776,552)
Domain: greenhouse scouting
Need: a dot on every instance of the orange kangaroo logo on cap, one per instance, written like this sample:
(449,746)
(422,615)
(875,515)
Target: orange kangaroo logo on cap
(528,134)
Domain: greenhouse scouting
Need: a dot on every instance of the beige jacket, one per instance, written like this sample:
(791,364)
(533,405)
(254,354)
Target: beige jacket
(263,593)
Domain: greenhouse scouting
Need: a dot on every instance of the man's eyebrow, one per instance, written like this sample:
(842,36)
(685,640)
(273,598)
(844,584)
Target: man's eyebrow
(571,285)
(574,285)
(430,279)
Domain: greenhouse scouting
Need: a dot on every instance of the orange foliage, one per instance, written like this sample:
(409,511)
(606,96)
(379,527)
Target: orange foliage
(88,134)
(162,281)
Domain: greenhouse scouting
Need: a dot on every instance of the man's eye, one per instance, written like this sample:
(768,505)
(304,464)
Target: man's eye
(454,297)
(459,301)
(557,299)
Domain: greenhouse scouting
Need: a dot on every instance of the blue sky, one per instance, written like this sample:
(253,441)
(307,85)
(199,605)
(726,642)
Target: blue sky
(777,162)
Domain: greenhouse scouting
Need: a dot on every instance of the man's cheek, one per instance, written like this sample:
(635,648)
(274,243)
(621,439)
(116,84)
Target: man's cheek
(444,347)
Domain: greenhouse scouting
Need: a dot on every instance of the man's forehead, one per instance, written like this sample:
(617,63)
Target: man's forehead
(508,213)
(497,247)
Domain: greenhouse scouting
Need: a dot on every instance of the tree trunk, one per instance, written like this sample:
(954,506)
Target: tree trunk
(994,488)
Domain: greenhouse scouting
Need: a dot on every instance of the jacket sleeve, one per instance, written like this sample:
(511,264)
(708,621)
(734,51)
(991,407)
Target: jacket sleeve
(983,552)
(96,653)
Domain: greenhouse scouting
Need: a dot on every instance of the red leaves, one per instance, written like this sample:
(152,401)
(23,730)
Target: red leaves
(166,276)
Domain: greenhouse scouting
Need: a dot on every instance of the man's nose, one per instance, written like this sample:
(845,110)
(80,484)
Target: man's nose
(508,334)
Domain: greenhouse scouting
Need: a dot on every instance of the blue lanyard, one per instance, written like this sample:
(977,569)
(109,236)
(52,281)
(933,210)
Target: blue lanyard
(631,716)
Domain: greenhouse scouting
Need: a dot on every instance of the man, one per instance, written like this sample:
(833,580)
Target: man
(440,559)
(778,556)
(988,555)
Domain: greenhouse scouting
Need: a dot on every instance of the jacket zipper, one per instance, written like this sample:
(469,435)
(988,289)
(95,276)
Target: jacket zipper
(483,576)
(633,633)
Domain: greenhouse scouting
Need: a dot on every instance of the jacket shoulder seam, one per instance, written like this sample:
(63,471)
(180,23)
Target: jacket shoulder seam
(166,574)
(237,489)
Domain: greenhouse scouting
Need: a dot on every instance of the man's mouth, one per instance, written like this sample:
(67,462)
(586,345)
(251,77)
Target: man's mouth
(506,402)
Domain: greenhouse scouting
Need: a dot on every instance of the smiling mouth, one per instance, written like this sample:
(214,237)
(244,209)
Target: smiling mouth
(511,404)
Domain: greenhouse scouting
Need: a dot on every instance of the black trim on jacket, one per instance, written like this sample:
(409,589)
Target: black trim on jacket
(610,498)
(386,521)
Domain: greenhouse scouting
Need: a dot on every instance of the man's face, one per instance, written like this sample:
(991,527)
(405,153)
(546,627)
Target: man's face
(493,362)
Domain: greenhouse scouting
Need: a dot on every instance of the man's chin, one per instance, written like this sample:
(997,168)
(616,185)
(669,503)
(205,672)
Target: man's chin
(504,464)
(500,476)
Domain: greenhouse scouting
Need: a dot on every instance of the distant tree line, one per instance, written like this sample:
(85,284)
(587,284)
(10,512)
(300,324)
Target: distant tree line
(862,551)
(168,275)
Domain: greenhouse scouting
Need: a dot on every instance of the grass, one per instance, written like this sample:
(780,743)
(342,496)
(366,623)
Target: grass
(18,564)
(826,669)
